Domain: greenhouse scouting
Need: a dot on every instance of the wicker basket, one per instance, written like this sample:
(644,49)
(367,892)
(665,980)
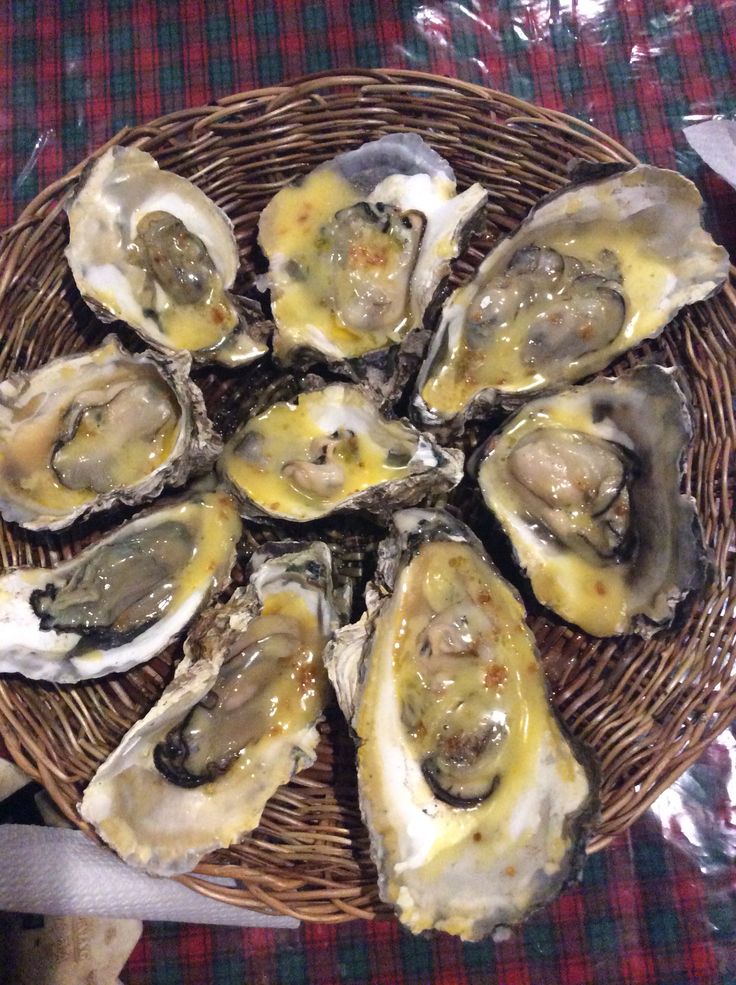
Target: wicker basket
(647,708)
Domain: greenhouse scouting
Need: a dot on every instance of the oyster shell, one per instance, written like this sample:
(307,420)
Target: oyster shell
(591,272)
(332,450)
(149,248)
(476,802)
(238,719)
(357,250)
(586,483)
(85,432)
(124,599)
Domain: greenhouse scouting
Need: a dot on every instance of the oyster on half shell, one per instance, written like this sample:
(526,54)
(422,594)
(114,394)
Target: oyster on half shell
(357,250)
(476,802)
(123,599)
(331,450)
(85,432)
(148,247)
(238,719)
(592,271)
(586,484)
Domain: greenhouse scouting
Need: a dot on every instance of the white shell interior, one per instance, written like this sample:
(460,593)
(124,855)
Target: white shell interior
(53,655)
(164,828)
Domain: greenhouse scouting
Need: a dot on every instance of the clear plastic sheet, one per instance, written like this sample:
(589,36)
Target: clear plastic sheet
(697,816)
(698,812)
(513,45)
(639,69)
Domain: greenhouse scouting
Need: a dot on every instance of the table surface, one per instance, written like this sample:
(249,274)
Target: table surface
(659,906)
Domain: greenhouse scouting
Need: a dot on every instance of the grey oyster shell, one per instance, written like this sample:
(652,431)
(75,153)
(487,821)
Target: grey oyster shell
(123,599)
(331,450)
(73,431)
(358,250)
(476,801)
(592,271)
(149,248)
(586,484)
(141,800)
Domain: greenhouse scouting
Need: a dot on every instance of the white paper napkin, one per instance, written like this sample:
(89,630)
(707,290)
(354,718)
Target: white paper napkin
(11,778)
(60,872)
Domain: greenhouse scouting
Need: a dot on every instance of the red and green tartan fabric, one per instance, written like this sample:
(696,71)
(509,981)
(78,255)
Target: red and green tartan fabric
(73,72)
(641,916)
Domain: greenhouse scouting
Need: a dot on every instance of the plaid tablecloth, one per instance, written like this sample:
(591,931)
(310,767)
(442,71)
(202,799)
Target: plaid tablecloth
(73,72)
(658,907)
(643,915)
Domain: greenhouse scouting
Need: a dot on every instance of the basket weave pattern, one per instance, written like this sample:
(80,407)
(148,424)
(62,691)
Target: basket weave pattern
(647,708)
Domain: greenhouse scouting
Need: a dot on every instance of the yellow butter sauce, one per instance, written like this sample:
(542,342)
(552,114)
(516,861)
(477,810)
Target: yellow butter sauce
(466,371)
(594,597)
(29,437)
(290,232)
(216,525)
(288,431)
(513,681)
(201,325)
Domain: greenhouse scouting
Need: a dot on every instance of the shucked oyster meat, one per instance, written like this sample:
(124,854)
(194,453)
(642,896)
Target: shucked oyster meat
(148,247)
(586,483)
(85,432)
(357,249)
(332,450)
(592,271)
(476,802)
(239,719)
(122,600)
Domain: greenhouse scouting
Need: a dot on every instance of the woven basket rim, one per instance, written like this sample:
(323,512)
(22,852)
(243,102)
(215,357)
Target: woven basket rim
(189,126)
(309,84)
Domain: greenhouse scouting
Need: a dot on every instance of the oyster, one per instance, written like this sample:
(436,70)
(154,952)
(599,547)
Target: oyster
(476,802)
(592,271)
(333,450)
(124,599)
(586,483)
(148,247)
(238,719)
(357,250)
(85,432)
